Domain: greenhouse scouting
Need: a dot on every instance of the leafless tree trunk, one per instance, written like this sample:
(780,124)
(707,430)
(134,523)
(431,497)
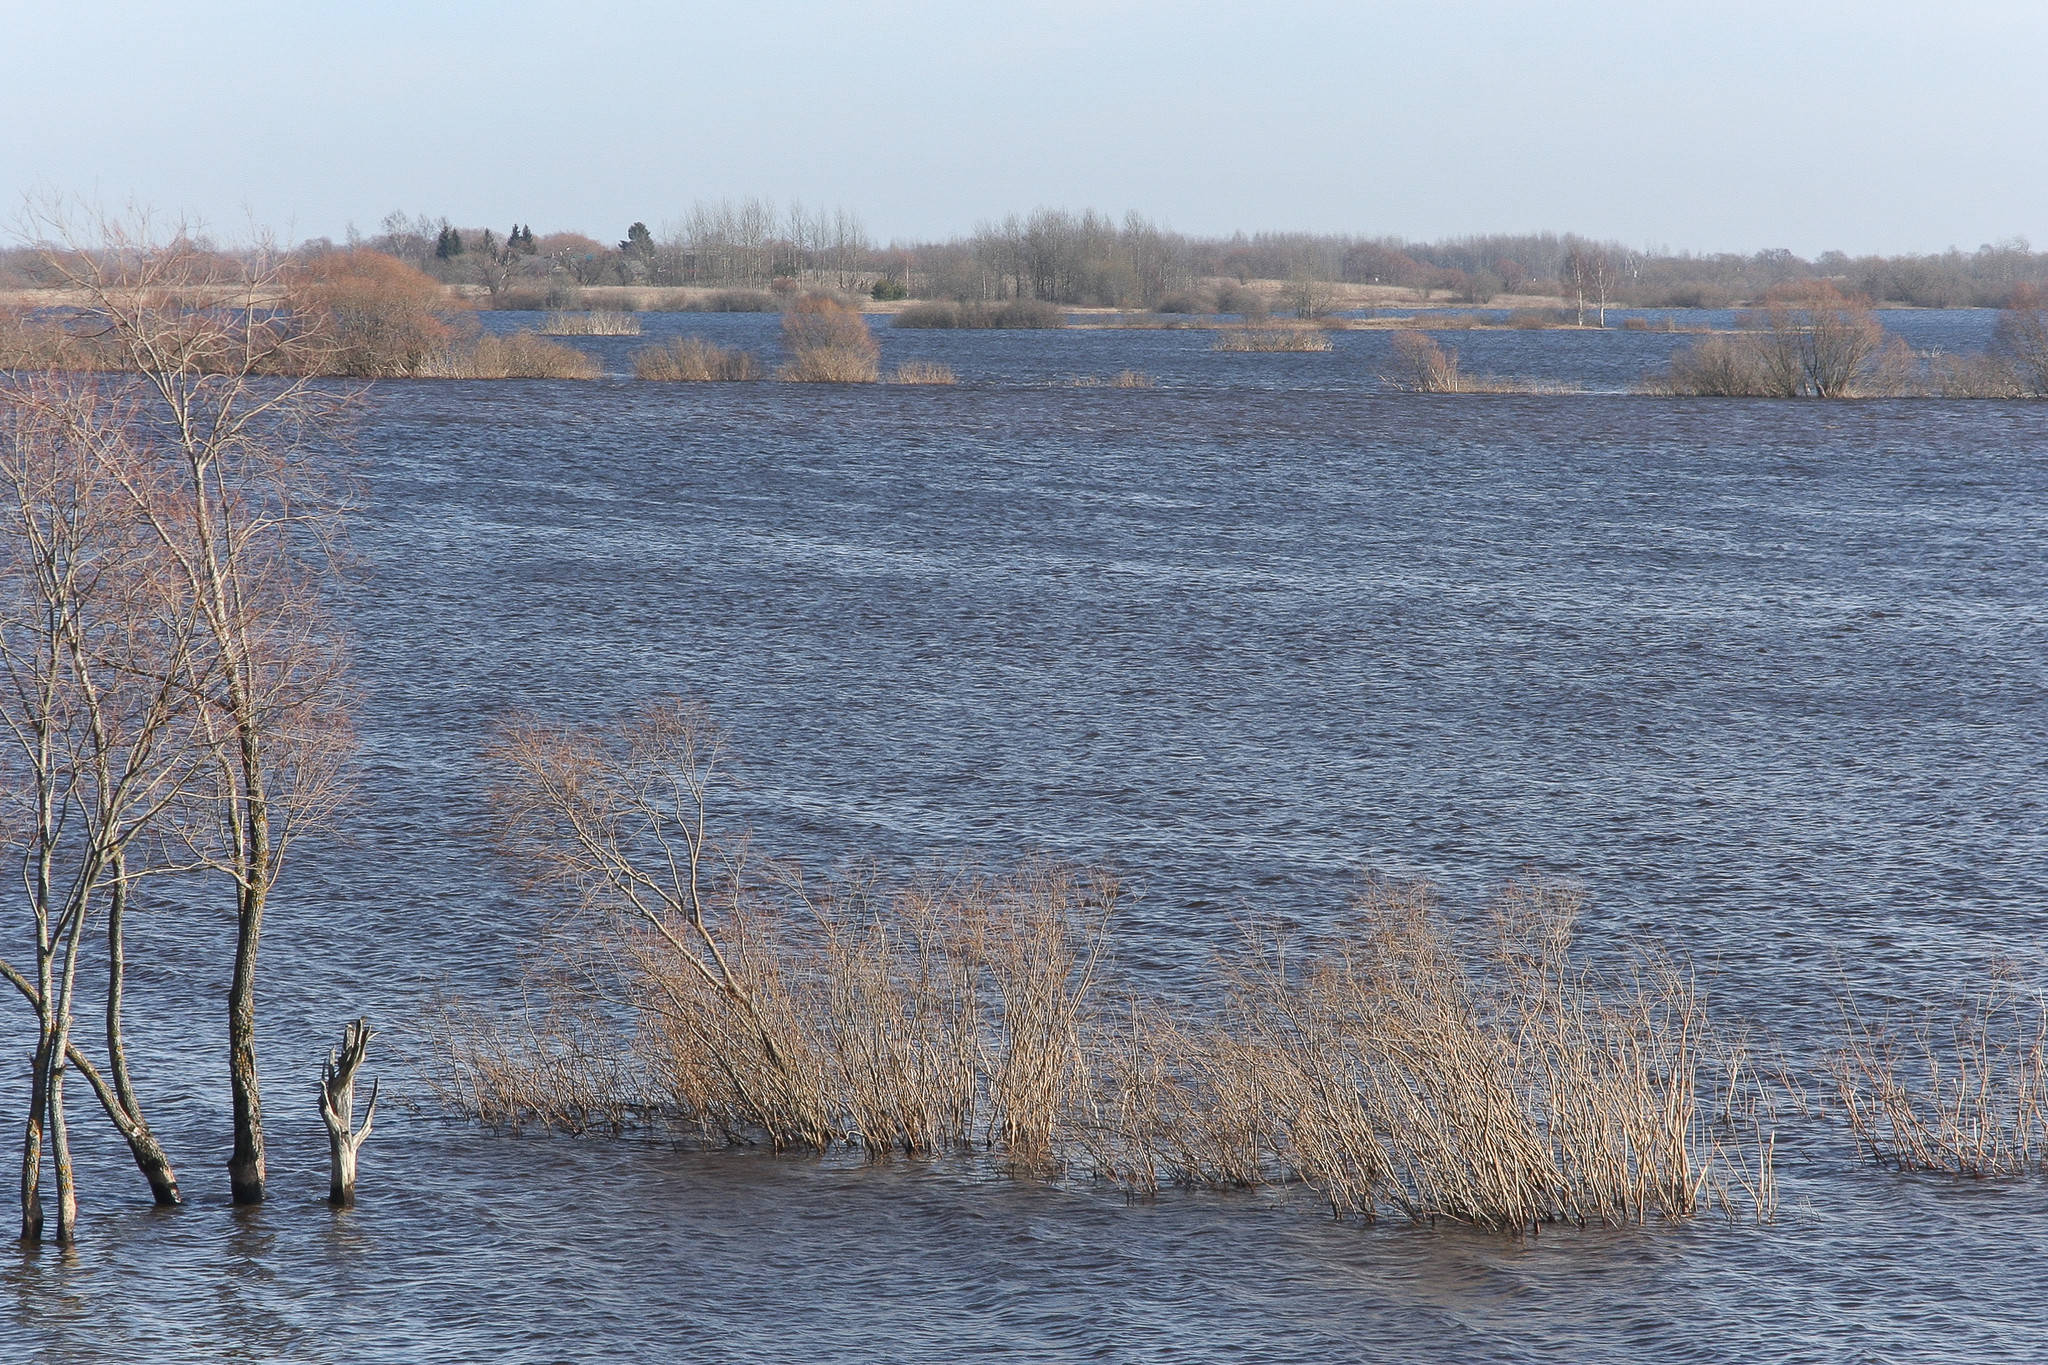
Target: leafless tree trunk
(338,1110)
(1577,271)
(1592,272)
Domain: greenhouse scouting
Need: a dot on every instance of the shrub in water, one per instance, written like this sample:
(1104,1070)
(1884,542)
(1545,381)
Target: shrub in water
(694,360)
(828,343)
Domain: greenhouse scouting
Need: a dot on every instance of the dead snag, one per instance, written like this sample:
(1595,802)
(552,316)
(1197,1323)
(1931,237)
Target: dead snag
(338,1110)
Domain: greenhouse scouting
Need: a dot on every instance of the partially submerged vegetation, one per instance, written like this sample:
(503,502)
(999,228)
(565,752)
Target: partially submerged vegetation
(828,342)
(694,360)
(594,323)
(178,703)
(1420,364)
(1962,1090)
(921,372)
(1813,341)
(521,355)
(1399,1065)
(1297,338)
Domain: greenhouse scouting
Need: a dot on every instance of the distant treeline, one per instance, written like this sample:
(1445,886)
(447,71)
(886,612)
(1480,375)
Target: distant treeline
(1091,259)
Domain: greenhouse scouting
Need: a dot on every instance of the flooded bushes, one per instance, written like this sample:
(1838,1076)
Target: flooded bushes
(45,343)
(1305,339)
(1812,341)
(375,316)
(828,343)
(523,355)
(694,360)
(596,323)
(1398,1065)
(1422,365)
(922,372)
(1963,1090)
(2021,340)
(1398,1069)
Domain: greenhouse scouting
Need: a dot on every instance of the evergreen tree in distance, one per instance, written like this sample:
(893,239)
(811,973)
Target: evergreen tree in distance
(639,242)
(449,244)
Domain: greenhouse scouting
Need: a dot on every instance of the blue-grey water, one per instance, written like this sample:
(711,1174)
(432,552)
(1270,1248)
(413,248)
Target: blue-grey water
(1768,678)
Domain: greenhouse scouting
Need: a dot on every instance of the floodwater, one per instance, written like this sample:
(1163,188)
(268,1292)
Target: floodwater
(1767,678)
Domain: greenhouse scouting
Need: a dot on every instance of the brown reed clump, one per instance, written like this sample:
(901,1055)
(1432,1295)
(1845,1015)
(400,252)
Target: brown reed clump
(595,323)
(922,372)
(523,355)
(932,1019)
(1964,1090)
(695,360)
(1421,365)
(828,343)
(1397,1070)
(1302,339)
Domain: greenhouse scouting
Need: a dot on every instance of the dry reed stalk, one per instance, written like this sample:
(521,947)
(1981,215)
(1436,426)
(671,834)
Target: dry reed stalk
(1044,937)
(922,372)
(1272,339)
(596,323)
(694,360)
(523,355)
(1966,1093)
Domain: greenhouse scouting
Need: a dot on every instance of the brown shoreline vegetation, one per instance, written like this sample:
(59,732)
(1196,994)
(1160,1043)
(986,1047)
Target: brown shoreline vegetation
(1409,1063)
(358,313)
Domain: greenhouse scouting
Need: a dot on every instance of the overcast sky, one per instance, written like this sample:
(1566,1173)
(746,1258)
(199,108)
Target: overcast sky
(1717,125)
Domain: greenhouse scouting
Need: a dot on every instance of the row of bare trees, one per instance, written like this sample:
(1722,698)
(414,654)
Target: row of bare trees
(176,700)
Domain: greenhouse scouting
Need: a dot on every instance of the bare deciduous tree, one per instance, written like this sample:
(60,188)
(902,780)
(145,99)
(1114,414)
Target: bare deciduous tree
(1591,273)
(99,663)
(247,513)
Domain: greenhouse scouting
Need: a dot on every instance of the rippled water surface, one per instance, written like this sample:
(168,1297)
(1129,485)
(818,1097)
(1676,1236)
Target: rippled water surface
(1766,677)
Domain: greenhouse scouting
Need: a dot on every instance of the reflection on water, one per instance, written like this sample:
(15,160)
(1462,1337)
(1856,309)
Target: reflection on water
(1768,677)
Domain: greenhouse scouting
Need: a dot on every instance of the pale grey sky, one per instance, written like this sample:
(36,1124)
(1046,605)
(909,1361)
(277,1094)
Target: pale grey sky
(1734,125)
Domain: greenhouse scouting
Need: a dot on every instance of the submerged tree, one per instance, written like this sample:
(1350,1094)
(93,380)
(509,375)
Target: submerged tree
(102,659)
(238,498)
